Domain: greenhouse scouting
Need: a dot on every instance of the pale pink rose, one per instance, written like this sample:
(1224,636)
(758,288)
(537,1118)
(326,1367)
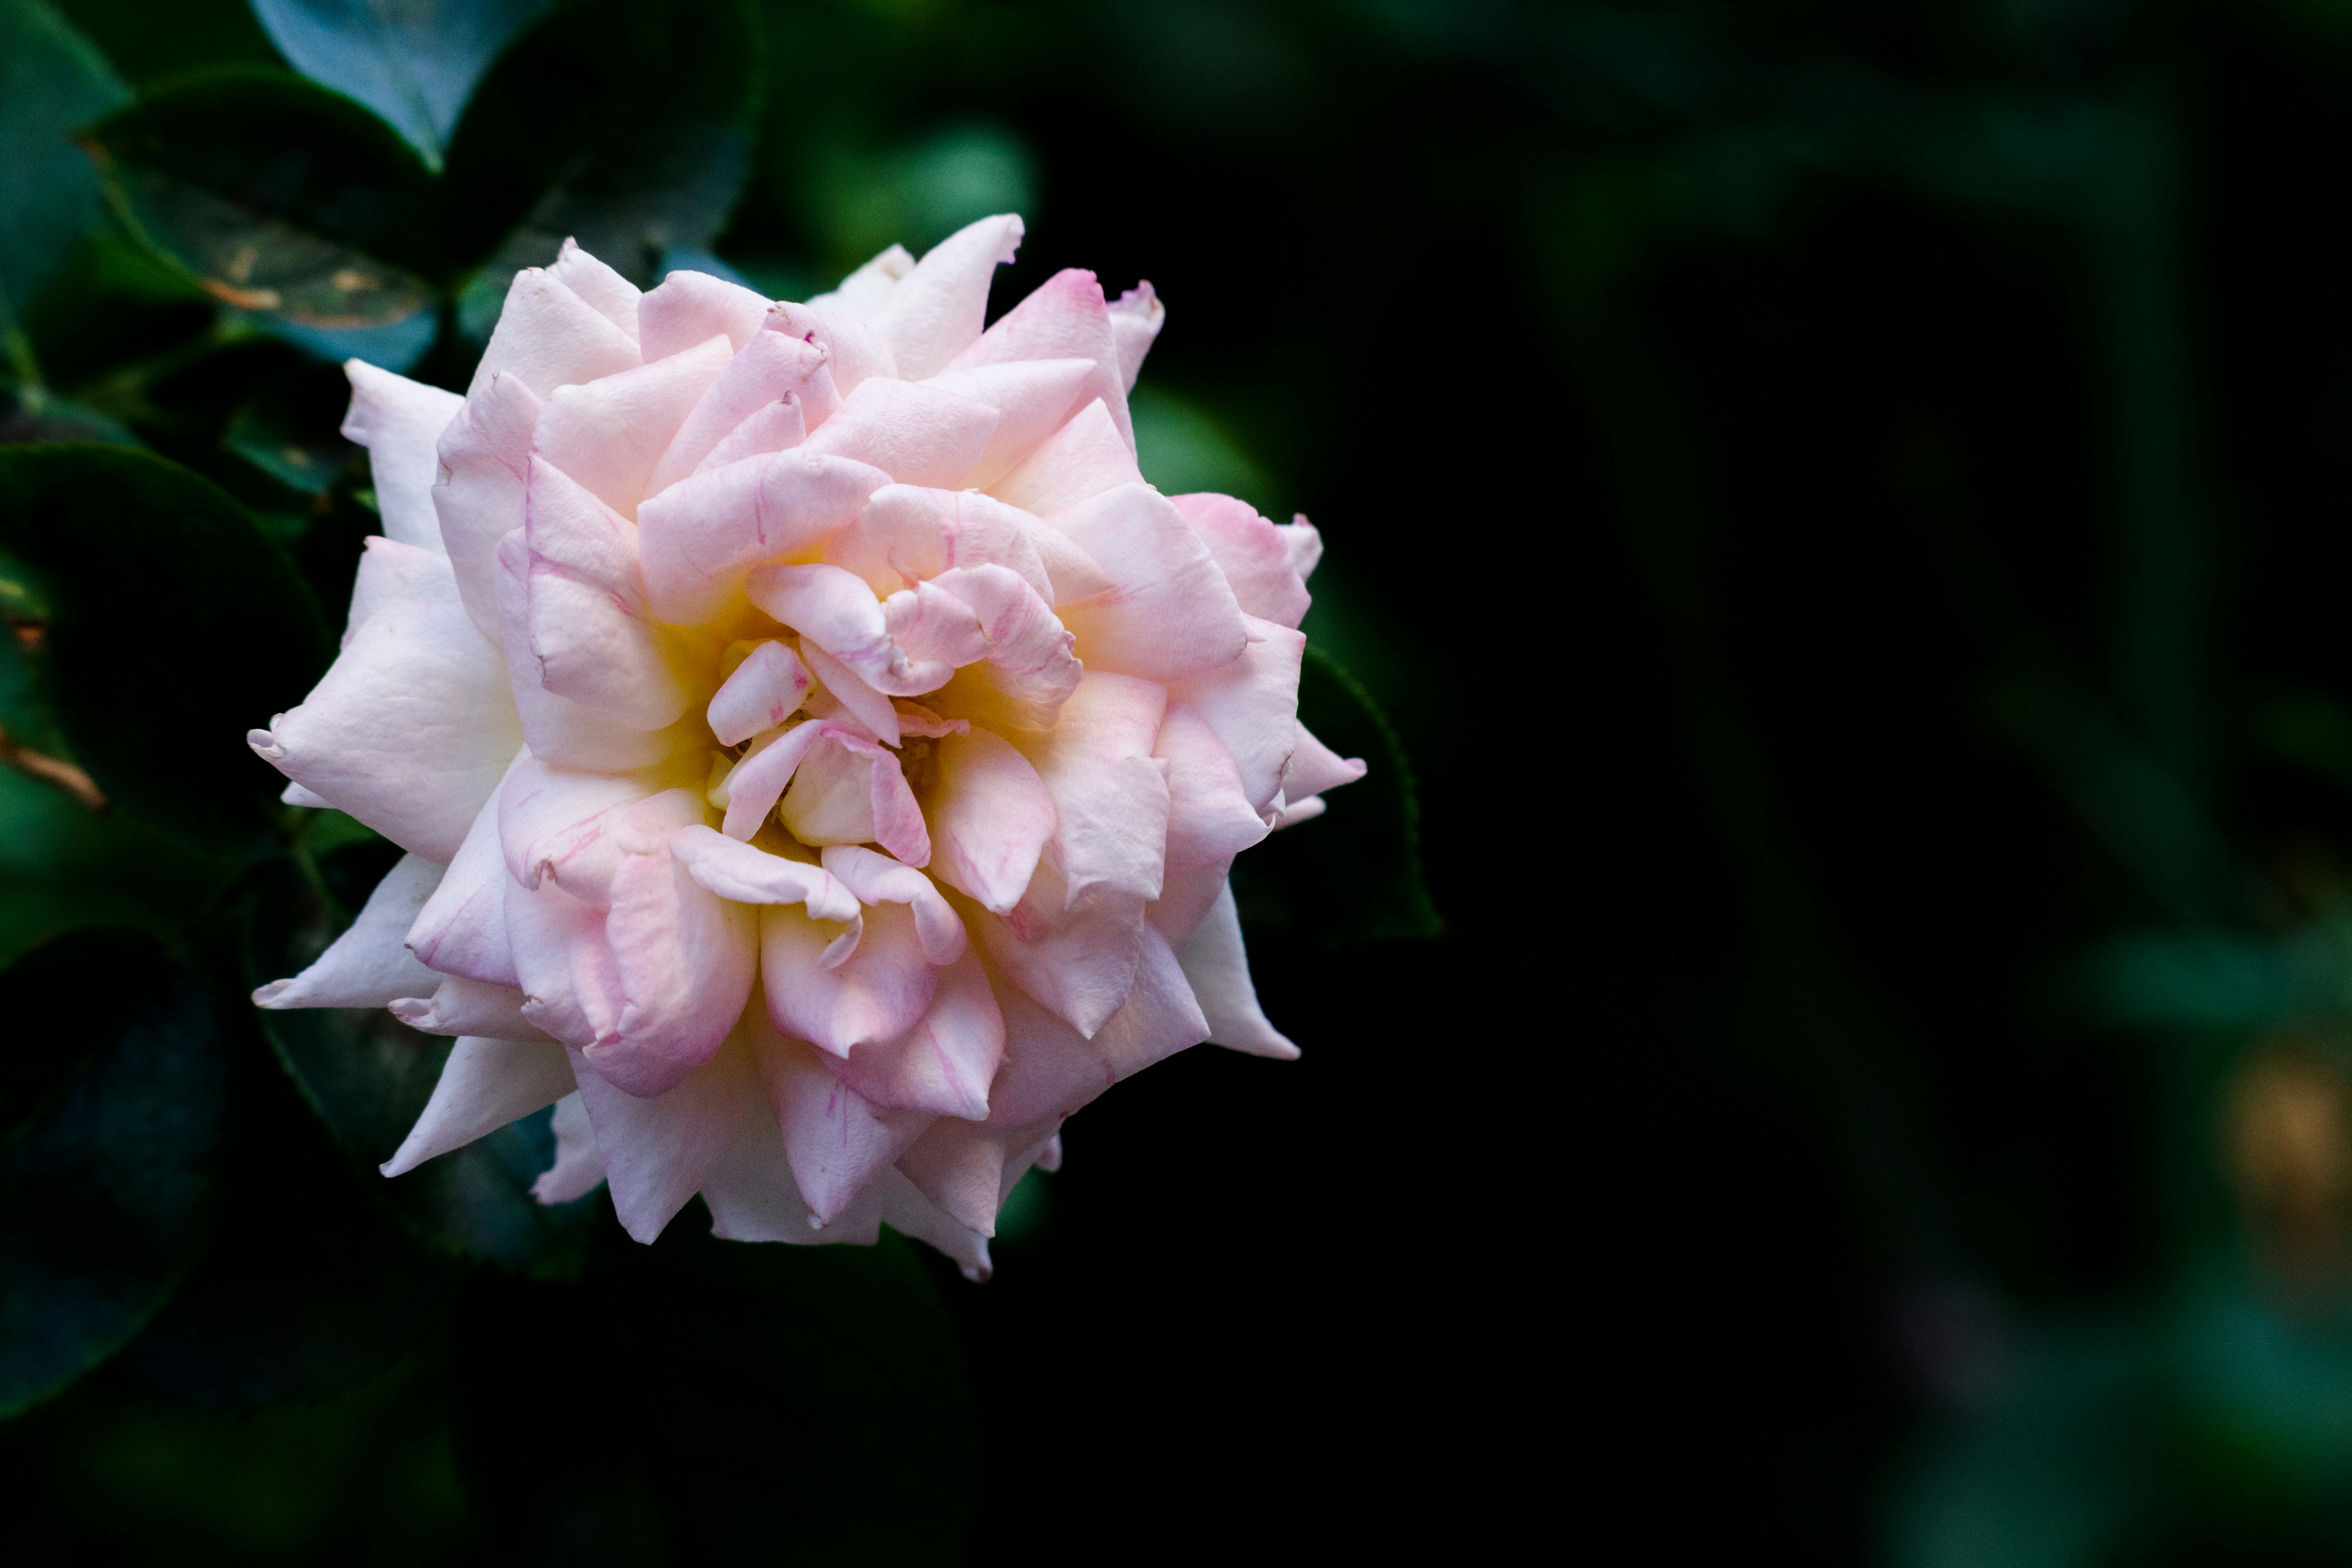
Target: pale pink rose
(819,753)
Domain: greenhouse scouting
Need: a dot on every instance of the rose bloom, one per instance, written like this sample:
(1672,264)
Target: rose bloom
(819,754)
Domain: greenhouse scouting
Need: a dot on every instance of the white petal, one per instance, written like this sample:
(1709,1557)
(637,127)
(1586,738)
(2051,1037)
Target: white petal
(368,966)
(400,422)
(483,1085)
(1217,968)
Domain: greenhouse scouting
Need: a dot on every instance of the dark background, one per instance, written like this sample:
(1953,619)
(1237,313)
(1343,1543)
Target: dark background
(1843,506)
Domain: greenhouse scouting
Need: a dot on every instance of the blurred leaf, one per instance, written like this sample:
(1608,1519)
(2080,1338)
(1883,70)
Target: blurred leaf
(1353,874)
(52,83)
(627,127)
(177,627)
(276,195)
(368,1076)
(306,1283)
(304,461)
(1182,450)
(414,62)
(860,202)
(63,865)
(64,1001)
(151,39)
(103,1202)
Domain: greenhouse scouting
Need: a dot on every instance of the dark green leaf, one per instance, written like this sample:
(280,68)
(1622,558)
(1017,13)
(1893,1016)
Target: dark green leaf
(64,1001)
(277,195)
(103,1202)
(414,62)
(1352,875)
(63,865)
(151,39)
(52,83)
(176,628)
(627,127)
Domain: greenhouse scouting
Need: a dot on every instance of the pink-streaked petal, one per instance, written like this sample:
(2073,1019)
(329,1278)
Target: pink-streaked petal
(1217,968)
(746,874)
(459,1006)
(1253,554)
(368,965)
(1209,812)
(878,994)
(917,434)
(1315,767)
(1168,613)
(1252,702)
(659,1151)
(835,1140)
(483,1085)
(579,1167)
(936,312)
(1135,323)
(771,369)
(558,822)
(409,728)
(548,337)
(400,422)
(870,709)
(462,928)
(485,459)
(753,786)
(563,964)
(942,1066)
(589,630)
(907,533)
(766,690)
(989,815)
(557,729)
(1063,318)
(834,609)
(1085,457)
(689,307)
(854,354)
(1110,796)
(880,880)
(1033,399)
(848,790)
(697,539)
(1076,959)
(608,435)
(778,427)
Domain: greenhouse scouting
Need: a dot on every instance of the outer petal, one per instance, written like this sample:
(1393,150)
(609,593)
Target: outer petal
(1304,544)
(1063,318)
(579,1167)
(1210,817)
(1315,767)
(1168,613)
(864,291)
(462,928)
(400,422)
(1252,705)
(837,1142)
(485,460)
(409,729)
(1217,968)
(1077,958)
(603,290)
(854,355)
(462,1007)
(1135,321)
(608,435)
(698,538)
(690,307)
(483,1085)
(906,1210)
(916,432)
(1254,554)
(659,1151)
(368,966)
(390,571)
(937,310)
(1087,456)
(548,337)
(989,816)
(589,630)
(1033,399)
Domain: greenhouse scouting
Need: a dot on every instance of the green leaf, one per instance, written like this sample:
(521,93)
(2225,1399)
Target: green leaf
(103,1201)
(1352,875)
(176,628)
(52,83)
(64,1001)
(627,127)
(63,865)
(149,40)
(414,62)
(277,196)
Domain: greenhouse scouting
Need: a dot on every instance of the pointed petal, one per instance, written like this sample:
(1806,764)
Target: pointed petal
(1135,323)
(935,311)
(548,337)
(989,816)
(836,610)
(462,928)
(459,1006)
(908,533)
(1075,959)
(579,1165)
(835,1140)
(880,880)
(1085,457)
(659,1151)
(1254,555)
(485,456)
(1033,399)
(400,422)
(1217,968)
(1252,702)
(772,368)
(916,432)
(689,307)
(879,993)
(853,353)
(1110,796)
(390,570)
(368,966)
(1210,816)
(483,1085)
(907,1211)
(606,291)
(1063,318)
(863,292)
(1168,613)
(590,629)
(1315,767)
(942,1066)
(608,435)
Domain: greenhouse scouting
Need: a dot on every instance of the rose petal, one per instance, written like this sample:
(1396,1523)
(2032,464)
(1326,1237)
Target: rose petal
(1216,966)
(589,626)
(368,966)
(1085,457)
(1077,958)
(765,690)
(483,1085)
(1254,555)
(746,874)
(547,336)
(698,538)
(858,702)
(485,457)
(880,880)
(1135,321)
(606,292)
(835,1140)
(459,1006)
(907,1211)
(937,310)
(1110,796)
(853,353)
(1210,816)
(557,729)
(462,928)
(608,435)
(390,570)
(689,307)
(400,422)
(659,1151)
(1252,705)
(862,293)
(878,994)
(834,609)
(1315,767)
(1033,399)
(1168,613)
(1063,318)
(771,368)
(942,1066)
(989,815)
(907,534)
(579,1167)
(917,434)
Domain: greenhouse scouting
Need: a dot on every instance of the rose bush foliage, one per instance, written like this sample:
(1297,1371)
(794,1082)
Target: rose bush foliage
(819,756)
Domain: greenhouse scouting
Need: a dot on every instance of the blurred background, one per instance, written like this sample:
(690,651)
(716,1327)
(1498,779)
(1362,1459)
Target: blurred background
(1829,1033)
